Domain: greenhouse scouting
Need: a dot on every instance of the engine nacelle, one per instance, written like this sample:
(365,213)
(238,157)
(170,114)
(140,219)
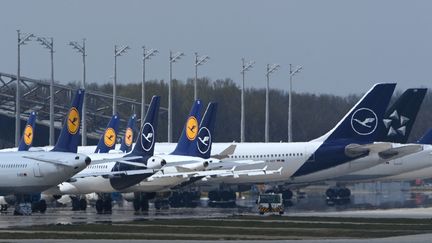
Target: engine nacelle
(155,162)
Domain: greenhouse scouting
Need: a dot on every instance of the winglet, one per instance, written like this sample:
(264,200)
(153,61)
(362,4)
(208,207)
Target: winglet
(108,139)
(126,145)
(69,136)
(27,138)
(226,152)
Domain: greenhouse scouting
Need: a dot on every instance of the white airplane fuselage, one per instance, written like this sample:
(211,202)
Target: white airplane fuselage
(20,174)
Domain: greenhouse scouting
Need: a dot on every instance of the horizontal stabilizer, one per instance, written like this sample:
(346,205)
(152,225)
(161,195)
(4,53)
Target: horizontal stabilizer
(394,153)
(356,150)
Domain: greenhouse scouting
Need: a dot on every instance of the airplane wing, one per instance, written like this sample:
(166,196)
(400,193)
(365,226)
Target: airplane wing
(120,159)
(237,163)
(218,173)
(394,153)
(56,161)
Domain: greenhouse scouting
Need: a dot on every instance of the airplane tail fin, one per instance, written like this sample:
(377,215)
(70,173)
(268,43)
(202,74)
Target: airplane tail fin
(145,142)
(69,136)
(204,139)
(190,130)
(126,145)
(108,139)
(362,121)
(27,138)
(426,139)
(399,118)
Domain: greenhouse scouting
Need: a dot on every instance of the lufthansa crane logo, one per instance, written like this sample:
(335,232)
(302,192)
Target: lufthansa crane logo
(110,137)
(191,128)
(147,137)
(128,137)
(73,121)
(364,121)
(28,135)
(204,140)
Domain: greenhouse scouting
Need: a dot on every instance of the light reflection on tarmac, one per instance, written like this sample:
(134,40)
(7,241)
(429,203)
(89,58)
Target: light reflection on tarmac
(368,200)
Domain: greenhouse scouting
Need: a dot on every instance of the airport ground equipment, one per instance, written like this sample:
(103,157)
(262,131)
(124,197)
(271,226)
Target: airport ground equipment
(270,203)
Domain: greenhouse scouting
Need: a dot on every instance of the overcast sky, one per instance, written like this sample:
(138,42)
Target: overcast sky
(344,46)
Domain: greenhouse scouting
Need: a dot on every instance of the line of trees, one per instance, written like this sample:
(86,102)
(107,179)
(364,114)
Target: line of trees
(313,115)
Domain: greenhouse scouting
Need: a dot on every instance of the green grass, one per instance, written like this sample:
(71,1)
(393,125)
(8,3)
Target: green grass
(237,227)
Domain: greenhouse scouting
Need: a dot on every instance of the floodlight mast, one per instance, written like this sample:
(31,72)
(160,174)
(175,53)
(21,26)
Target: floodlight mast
(82,49)
(199,60)
(270,70)
(21,41)
(172,59)
(245,67)
(117,52)
(291,75)
(49,44)
(147,54)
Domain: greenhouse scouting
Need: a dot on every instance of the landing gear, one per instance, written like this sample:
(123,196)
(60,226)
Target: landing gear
(78,203)
(104,203)
(141,201)
(223,199)
(189,199)
(338,196)
(39,206)
(4,207)
(27,204)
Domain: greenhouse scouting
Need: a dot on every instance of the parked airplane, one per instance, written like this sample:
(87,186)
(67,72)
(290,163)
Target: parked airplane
(120,172)
(24,174)
(348,147)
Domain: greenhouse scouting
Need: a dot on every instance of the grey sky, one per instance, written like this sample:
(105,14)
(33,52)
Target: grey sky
(344,46)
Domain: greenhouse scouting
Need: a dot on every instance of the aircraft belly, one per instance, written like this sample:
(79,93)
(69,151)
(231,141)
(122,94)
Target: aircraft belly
(92,184)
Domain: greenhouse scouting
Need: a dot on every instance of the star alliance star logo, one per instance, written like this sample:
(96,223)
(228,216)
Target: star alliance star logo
(396,124)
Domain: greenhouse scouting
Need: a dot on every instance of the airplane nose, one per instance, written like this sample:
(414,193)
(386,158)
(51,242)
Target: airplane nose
(87,160)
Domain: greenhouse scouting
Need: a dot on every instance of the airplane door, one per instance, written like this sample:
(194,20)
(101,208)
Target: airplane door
(37,170)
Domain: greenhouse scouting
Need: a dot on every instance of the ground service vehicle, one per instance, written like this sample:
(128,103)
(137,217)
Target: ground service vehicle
(270,203)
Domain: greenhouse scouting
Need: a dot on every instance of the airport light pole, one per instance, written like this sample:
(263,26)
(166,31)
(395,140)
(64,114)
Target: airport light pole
(147,54)
(245,67)
(117,52)
(22,39)
(49,44)
(291,74)
(82,49)
(172,59)
(270,70)
(199,60)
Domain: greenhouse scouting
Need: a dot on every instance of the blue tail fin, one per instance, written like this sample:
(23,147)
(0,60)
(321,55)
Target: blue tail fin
(108,139)
(145,141)
(204,139)
(190,130)
(28,135)
(69,136)
(427,138)
(126,145)
(361,123)
(399,118)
